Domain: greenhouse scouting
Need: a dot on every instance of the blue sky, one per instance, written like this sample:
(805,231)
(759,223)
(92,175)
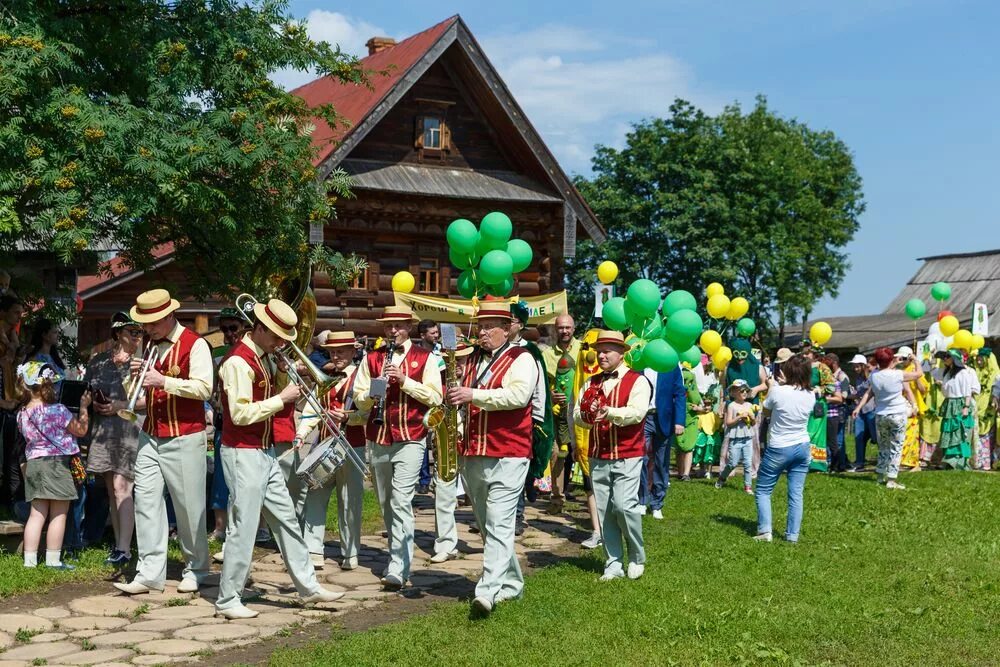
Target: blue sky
(912,87)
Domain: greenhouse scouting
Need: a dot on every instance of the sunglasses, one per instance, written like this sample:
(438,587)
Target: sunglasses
(229,329)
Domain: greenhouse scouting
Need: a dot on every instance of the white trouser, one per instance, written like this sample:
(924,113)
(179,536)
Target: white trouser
(616,490)
(179,465)
(350,486)
(445,503)
(494,486)
(289,466)
(396,468)
(256,484)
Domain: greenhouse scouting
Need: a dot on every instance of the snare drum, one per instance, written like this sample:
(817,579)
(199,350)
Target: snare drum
(320,465)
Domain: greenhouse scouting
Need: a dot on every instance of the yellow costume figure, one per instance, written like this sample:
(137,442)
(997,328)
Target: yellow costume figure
(586,367)
(911,445)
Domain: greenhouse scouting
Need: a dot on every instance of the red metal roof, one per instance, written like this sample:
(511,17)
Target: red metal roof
(355,102)
(115,268)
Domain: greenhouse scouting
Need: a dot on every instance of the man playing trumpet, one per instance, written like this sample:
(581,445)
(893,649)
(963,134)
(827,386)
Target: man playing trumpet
(254,391)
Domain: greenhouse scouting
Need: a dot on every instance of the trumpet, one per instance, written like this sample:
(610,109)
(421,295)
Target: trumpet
(323,384)
(148,360)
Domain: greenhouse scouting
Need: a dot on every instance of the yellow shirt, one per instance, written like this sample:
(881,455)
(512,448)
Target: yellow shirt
(427,391)
(237,381)
(516,387)
(198,384)
(634,410)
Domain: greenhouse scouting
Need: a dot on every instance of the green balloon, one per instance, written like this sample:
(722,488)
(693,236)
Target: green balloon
(692,356)
(635,358)
(495,267)
(466,283)
(683,328)
(644,296)
(496,229)
(521,254)
(660,356)
(915,309)
(745,327)
(502,288)
(613,314)
(679,300)
(462,260)
(652,330)
(941,291)
(462,235)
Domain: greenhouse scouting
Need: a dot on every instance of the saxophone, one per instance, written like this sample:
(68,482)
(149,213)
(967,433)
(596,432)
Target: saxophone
(443,419)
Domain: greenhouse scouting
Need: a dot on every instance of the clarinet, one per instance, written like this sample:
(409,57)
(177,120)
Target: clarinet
(378,410)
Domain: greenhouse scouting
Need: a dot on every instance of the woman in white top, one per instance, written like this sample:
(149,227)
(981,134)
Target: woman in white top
(788,406)
(894,403)
(959,385)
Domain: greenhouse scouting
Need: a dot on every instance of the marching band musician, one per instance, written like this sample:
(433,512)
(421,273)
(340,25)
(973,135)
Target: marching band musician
(613,407)
(172,449)
(398,442)
(251,400)
(340,346)
(497,387)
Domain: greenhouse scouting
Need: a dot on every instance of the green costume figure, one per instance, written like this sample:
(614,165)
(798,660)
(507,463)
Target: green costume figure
(543,433)
(709,443)
(689,438)
(823,385)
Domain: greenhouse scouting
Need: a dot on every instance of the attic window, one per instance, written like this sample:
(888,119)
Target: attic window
(432,132)
(432,135)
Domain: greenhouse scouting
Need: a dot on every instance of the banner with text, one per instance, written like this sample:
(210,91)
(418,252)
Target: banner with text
(543,308)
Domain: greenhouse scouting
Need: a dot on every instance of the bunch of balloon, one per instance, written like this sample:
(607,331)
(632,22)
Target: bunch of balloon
(488,257)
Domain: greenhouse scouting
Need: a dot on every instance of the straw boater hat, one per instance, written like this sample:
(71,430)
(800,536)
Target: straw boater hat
(612,338)
(277,316)
(783,354)
(153,306)
(464,348)
(396,314)
(493,309)
(340,339)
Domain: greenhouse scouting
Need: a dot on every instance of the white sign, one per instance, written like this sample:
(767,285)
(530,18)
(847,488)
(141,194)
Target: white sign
(980,320)
(315,233)
(601,295)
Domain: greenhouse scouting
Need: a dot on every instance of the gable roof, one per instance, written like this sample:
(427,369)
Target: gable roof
(115,272)
(407,62)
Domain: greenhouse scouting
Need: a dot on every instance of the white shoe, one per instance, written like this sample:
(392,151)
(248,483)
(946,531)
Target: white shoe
(219,557)
(635,570)
(893,484)
(658,514)
(236,613)
(444,556)
(612,575)
(762,537)
(136,588)
(188,586)
(642,509)
(322,595)
(391,582)
(349,563)
(482,605)
(317,560)
(592,542)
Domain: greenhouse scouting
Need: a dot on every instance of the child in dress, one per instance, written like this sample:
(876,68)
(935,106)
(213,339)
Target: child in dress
(740,428)
(50,431)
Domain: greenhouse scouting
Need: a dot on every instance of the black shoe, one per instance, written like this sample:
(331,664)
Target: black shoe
(118,559)
(423,489)
(519,528)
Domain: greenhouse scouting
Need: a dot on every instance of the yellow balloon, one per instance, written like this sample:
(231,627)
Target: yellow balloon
(718,306)
(978,342)
(722,357)
(607,271)
(713,289)
(710,342)
(820,333)
(963,339)
(738,307)
(949,325)
(403,282)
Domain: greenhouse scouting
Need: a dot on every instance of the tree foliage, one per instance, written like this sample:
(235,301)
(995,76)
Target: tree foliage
(136,123)
(761,203)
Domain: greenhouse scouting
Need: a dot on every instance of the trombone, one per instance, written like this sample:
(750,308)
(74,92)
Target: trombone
(324,384)
(128,414)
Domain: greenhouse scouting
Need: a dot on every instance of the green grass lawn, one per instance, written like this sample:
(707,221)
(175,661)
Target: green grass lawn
(371,515)
(879,578)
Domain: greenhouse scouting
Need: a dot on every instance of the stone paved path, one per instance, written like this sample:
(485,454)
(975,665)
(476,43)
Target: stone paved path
(172,627)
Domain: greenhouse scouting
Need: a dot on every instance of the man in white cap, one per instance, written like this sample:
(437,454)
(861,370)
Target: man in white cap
(348,480)
(499,381)
(614,407)
(409,383)
(172,449)
(254,390)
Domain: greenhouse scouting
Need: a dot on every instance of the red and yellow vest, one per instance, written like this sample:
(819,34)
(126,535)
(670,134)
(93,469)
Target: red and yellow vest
(338,398)
(260,434)
(403,414)
(167,415)
(497,433)
(619,442)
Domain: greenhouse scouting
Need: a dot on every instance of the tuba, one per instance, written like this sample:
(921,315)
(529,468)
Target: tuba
(443,419)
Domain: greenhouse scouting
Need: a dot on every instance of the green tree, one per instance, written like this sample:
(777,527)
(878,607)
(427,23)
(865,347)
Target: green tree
(142,122)
(761,203)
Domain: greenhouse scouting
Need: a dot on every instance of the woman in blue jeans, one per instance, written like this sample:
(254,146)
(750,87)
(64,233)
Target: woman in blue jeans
(788,406)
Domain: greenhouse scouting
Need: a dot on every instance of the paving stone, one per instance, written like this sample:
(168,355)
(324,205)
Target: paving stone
(92,622)
(40,651)
(109,605)
(47,637)
(172,647)
(14,663)
(278,619)
(371,604)
(86,634)
(352,578)
(273,578)
(268,567)
(95,657)
(156,659)
(125,638)
(52,612)
(340,605)
(186,612)
(11,623)
(368,587)
(217,633)
(315,613)
(369,595)
(5,640)
(160,625)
